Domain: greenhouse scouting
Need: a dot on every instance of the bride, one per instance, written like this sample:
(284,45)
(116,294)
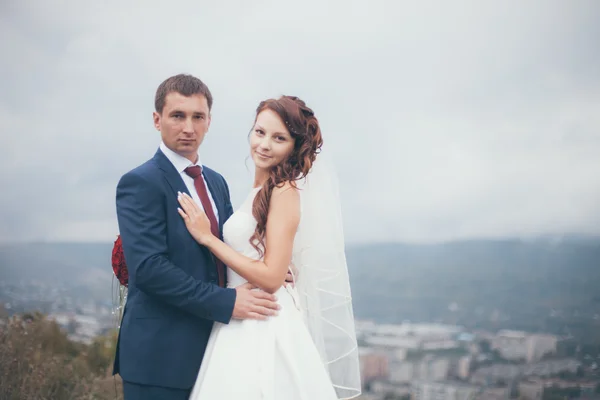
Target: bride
(292,216)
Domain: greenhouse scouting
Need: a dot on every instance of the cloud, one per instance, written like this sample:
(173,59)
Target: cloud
(447,121)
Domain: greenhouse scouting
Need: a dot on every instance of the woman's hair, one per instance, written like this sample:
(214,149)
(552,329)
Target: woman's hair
(304,128)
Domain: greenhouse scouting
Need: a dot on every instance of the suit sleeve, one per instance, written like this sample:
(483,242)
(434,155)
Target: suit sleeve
(142,224)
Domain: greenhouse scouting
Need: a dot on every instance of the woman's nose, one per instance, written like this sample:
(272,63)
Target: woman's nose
(265,144)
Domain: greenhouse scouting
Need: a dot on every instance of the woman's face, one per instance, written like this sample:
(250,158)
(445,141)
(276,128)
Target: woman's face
(270,140)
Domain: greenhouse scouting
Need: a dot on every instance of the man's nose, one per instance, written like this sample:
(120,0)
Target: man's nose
(188,126)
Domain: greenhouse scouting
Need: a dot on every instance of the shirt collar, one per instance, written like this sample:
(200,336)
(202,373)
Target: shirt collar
(179,162)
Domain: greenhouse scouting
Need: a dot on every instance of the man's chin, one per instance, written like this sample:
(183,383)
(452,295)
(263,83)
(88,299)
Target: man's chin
(187,151)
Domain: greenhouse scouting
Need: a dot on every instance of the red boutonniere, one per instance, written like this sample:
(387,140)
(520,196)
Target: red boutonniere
(118,262)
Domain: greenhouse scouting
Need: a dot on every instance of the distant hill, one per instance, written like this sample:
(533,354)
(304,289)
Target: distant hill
(84,268)
(535,285)
(53,260)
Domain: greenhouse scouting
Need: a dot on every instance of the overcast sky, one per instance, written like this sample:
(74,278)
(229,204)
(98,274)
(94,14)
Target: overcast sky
(447,120)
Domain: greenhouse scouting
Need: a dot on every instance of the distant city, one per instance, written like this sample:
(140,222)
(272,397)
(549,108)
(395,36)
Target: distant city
(438,326)
(439,362)
(83,318)
(425,361)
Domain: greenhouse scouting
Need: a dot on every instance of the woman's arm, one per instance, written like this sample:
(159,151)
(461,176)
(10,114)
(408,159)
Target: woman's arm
(282,223)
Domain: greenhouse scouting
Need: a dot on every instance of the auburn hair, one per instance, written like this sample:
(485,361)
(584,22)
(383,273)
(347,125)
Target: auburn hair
(304,128)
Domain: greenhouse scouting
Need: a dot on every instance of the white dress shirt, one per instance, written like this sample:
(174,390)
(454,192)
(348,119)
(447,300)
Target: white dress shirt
(181,163)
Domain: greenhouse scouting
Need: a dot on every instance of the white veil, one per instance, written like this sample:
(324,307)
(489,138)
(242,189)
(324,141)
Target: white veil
(322,283)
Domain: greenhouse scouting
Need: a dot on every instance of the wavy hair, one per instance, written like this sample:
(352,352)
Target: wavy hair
(304,128)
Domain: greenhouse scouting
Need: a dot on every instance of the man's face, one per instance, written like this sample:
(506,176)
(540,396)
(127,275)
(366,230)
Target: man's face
(183,123)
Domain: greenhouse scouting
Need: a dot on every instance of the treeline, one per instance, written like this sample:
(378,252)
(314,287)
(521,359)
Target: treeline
(38,361)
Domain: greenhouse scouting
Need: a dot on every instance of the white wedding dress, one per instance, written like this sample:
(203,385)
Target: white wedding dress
(274,359)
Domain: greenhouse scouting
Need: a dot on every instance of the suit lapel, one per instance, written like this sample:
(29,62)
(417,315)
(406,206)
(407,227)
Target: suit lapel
(174,180)
(216,195)
(171,174)
(177,184)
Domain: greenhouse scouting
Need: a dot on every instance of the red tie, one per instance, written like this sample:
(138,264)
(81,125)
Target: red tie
(196,173)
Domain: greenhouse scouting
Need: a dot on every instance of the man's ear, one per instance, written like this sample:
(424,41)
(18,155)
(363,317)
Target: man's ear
(156,120)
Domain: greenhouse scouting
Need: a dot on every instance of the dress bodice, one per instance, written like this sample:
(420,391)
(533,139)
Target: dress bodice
(237,232)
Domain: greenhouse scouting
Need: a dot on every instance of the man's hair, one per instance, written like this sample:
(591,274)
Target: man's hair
(185,85)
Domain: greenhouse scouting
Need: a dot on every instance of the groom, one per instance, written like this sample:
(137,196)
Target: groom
(176,287)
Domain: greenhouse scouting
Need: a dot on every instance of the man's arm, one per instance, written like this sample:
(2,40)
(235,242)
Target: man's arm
(143,229)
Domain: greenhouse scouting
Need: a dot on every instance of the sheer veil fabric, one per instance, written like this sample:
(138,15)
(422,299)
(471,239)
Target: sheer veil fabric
(322,284)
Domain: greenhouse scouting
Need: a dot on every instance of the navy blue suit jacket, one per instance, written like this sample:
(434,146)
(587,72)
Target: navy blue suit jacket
(173,295)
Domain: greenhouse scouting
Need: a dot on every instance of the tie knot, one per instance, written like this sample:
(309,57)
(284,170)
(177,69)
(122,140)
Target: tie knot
(193,171)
